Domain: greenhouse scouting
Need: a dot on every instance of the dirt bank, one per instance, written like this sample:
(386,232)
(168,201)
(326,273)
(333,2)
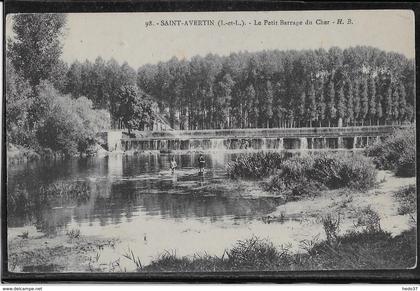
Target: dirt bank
(58,254)
(349,204)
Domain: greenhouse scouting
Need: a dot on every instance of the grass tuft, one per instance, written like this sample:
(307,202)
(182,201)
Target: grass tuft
(136,260)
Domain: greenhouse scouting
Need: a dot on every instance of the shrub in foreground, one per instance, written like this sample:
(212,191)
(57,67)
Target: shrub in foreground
(355,250)
(249,254)
(397,152)
(256,165)
(363,250)
(407,197)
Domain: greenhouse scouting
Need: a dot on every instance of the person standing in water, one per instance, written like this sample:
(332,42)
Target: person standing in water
(201,164)
(173,165)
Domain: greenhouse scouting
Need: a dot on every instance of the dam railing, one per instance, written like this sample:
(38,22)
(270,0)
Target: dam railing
(252,138)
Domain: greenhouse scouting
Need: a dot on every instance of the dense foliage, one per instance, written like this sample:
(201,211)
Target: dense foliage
(331,170)
(65,124)
(38,116)
(255,166)
(18,104)
(397,152)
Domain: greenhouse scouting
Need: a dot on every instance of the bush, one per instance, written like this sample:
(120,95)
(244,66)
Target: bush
(257,254)
(397,152)
(369,220)
(256,165)
(407,197)
(329,170)
(331,227)
(356,172)
(406,165)
(296,168)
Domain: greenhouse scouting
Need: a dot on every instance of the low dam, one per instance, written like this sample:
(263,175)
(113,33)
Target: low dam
(255,139)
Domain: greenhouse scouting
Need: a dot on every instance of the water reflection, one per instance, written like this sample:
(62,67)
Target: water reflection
(116,189)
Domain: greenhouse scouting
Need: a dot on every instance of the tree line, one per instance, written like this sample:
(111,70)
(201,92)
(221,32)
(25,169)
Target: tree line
(354,86)
(60,106)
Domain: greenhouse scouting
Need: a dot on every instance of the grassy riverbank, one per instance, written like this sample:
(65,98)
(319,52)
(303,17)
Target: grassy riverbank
(364,250)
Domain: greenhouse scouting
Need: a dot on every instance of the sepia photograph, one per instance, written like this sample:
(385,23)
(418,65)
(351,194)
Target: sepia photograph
(157,142)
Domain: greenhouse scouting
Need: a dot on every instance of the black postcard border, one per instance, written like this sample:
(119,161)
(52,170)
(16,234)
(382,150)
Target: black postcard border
(68,6)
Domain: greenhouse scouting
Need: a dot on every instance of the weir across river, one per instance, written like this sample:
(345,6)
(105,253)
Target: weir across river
(252,139)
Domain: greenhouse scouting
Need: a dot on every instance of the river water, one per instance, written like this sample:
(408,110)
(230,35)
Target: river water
(150,210)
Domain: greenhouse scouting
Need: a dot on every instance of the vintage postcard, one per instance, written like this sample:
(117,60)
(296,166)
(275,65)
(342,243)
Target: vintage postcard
(210,141)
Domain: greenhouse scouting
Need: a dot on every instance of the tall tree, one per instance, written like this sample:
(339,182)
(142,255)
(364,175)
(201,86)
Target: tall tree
(357,105)
(268,103)
(321,106)
(302,109)
(348,93)
(372,99)
(98,80)
(395,105)
(251,101)
(36,46)
(341,105)
(402,105)
(58,76)
(279,110)
(313,112)
(223,100)
(364,100)
(389,105)
(379,110)
(73,84)
(332,110)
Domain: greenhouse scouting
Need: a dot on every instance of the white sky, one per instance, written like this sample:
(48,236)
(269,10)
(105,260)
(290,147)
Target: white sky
(124,36)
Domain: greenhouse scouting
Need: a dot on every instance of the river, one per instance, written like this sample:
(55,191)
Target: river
(137,199)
